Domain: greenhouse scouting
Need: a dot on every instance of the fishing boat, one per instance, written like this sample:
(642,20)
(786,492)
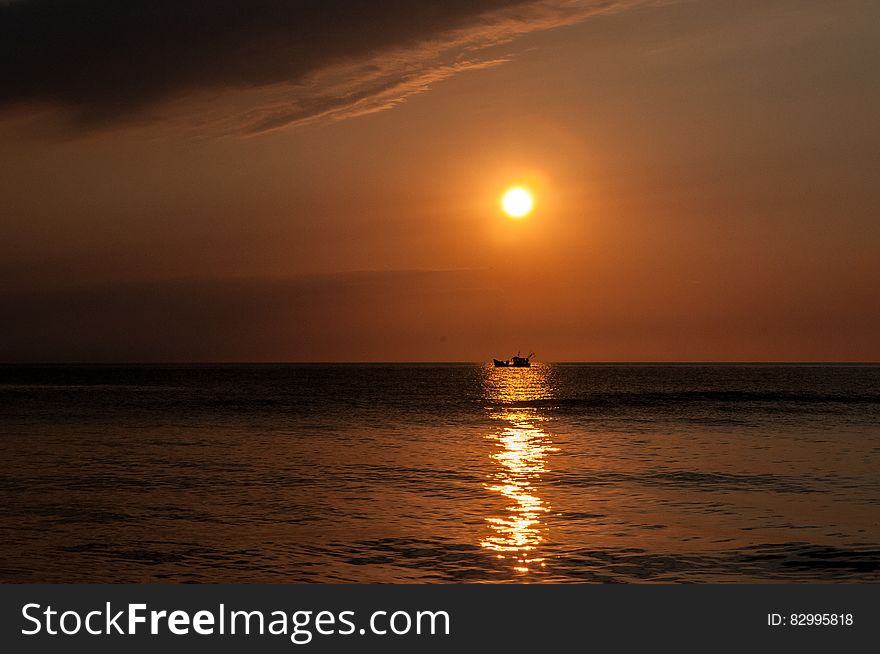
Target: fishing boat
(515,362)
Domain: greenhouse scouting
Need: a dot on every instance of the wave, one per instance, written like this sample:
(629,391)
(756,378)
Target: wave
(671,398)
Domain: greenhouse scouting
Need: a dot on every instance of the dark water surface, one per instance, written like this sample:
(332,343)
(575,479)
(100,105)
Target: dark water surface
(440,473)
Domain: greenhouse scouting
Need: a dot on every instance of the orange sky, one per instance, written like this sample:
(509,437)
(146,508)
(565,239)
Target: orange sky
(707,179)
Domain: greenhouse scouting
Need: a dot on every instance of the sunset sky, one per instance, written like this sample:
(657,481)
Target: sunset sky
(321,181)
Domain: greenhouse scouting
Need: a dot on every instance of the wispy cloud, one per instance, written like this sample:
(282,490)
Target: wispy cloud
(255,66)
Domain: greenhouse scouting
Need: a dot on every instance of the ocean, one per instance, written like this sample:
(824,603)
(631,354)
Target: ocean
(421,473)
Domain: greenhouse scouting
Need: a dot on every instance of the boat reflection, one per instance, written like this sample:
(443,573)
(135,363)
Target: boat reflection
(520,460)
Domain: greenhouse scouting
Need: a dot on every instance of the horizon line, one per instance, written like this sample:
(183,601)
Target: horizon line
(425,362)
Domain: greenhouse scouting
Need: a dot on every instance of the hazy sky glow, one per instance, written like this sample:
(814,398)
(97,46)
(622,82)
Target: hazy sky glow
(268,181)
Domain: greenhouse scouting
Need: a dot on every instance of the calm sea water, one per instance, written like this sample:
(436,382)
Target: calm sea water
(440,473)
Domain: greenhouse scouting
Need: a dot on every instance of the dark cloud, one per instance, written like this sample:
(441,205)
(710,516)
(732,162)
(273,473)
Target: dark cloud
(106,59)
(417,315)
(352,316)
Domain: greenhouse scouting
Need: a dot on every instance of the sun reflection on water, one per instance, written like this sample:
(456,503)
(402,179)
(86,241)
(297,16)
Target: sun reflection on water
(520,458)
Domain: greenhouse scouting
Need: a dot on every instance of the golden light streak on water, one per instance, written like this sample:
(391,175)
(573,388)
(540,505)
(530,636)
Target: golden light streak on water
(520,455)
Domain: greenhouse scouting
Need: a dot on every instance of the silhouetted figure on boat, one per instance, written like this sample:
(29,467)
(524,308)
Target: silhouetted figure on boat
(515,362)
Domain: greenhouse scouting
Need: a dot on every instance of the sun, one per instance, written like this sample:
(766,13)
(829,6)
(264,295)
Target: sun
(517,202)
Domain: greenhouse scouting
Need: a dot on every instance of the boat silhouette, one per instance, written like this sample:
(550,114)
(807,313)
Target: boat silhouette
(515,362)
